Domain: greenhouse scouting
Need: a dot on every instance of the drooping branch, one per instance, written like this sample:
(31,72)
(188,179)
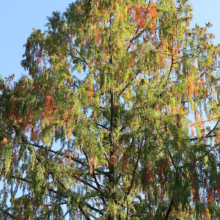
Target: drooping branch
(81,162)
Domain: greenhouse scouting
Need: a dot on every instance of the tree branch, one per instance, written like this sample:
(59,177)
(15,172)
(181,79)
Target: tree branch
(94,176)
(134,172)
(169,209)
(103,127)
(83,212)
(128,83)
(7,213)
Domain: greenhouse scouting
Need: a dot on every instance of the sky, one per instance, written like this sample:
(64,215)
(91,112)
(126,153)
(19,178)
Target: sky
(18,17)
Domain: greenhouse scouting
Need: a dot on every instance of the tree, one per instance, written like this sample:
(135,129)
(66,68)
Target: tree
(126,139)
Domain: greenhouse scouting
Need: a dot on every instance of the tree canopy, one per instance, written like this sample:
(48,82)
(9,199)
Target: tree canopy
(118,118)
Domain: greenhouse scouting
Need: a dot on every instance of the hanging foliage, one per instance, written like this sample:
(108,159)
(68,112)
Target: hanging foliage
(118,118)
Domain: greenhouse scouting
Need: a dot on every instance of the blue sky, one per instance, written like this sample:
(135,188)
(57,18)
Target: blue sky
(18,17)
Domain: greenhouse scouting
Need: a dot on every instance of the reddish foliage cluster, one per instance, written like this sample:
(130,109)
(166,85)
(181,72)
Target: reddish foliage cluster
(40,53)
(64,158)
(49,102)
(218,137)
(190,86)
(218,190)
(218,141)
(196,196)
(79,8)
(5,141)
(130,63)
(34,133)
(152,11)
(15,154)
(210,198)
(98,39)
(139,14)
(49,107)
(112,160)
(205,211)
(161,169)
(101,10)
(194,86)
(90,90)
(149,174)
(196,193)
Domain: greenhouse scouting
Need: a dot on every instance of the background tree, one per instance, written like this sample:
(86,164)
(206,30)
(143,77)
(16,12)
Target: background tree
(128,138)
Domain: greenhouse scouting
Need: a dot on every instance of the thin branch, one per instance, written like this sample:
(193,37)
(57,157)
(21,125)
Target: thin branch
(72,158)
(167,149)
(128,83)
(83,212)
(84,60)
(127,209)
(56,192)
(94,209)
(108,159)
(7,213)
(55,152)
(76,177)
(98,185)
(96,181)
(207,135)
(134,172)
(62,203)
(196,138)
(19,178)
(103,127)
(169,209)
(112,109)
(136,215)
(213,128)
(171,67)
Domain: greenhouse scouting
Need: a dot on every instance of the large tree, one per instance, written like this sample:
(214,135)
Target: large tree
(135,136)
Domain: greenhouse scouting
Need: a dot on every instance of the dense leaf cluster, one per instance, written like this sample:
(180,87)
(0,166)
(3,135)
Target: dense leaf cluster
(118,118)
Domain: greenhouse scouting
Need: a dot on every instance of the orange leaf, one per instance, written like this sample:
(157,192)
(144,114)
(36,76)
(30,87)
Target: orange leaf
(210,198)
(112,159)
(70,158)
(170,48)
(5,140)
(79,7)
(98,39)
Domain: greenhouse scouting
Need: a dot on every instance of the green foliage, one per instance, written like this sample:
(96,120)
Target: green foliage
(126,139)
